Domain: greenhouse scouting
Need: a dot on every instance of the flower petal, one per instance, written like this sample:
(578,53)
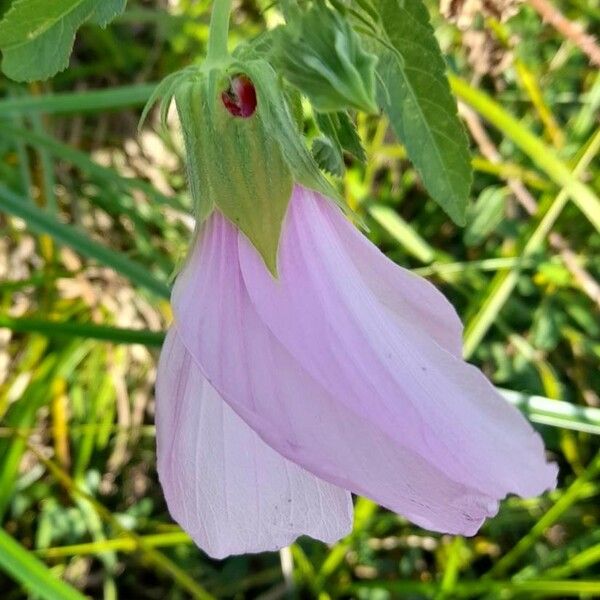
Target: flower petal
(291,410)
(403,292)
(385,366)
(229,490)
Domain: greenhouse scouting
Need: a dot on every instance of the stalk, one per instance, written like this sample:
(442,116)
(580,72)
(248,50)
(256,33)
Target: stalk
(219,30)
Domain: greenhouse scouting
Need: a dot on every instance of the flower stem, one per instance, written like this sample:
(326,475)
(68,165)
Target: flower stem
(219,30)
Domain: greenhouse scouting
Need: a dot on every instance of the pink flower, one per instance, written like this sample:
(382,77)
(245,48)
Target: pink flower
(276,398)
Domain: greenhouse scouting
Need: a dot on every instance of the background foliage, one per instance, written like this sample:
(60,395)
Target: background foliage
(94,220)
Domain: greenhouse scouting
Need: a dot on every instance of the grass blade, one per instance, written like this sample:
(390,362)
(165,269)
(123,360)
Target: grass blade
(152,555)
(570,496)
(40,222)
(24,567)
(80,102)
(393,223)
(504,283)
(116,335)
(540,153)
(555,412)
(82,161)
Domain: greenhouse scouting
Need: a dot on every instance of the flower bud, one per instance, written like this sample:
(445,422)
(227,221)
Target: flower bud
(233,163)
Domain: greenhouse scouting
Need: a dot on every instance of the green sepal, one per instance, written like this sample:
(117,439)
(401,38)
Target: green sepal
(322,56)
(234,164)
(163,94)
(283,128)
(294,100)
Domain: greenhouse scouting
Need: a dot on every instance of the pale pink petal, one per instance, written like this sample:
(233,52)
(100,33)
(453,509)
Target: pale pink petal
(403,292)
(385,366)
(300,415)
(229,490)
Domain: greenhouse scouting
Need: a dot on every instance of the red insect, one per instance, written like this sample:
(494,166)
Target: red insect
(240,98)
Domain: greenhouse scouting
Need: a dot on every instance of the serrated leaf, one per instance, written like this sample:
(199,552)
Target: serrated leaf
(322,56)
(36,36)
(328,156)
(339,127)
(416,96)
(106,11)
(339,136)
(234,163)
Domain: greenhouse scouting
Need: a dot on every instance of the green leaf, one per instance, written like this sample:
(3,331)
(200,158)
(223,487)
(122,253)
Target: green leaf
(485,215)
(4,6)
(322,56)
(503,284)
(106,11)
(20,564)
(36,36)
(404,233)
(416,96)
(338,126)
(235,164)
(328,156)
(548,323)
(339,136)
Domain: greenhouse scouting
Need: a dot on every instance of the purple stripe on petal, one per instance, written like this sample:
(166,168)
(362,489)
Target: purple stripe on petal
(229,490)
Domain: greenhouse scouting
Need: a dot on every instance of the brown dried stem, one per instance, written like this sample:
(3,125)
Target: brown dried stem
(572,31)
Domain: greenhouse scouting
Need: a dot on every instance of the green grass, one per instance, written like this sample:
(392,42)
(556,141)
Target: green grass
(93,224)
